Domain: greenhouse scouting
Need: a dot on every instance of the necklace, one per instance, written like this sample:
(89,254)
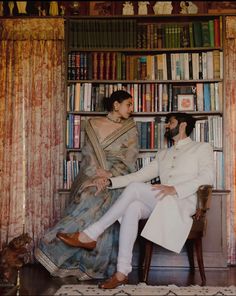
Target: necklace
(111,118)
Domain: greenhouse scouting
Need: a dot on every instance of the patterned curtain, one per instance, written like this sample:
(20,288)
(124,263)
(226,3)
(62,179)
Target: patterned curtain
(230,133)
(31,124)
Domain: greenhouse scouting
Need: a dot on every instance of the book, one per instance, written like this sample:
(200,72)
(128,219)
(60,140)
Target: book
(207,97)
(211,32)
(197,34)
(76,131)
(200,96)
(217,35)
(216,64)
(205,34)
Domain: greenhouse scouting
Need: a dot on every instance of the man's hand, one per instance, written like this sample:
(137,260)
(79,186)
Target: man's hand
(163,190)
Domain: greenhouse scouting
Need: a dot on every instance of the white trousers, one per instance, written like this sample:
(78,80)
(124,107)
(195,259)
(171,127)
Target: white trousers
(136,202)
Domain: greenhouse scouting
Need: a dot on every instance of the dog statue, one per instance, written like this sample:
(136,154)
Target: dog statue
(13,256)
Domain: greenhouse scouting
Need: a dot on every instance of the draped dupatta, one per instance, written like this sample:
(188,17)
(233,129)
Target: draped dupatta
(31,124)
(230,133)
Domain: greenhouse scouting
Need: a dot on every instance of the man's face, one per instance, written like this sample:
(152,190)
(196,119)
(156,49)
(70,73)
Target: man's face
(172,128)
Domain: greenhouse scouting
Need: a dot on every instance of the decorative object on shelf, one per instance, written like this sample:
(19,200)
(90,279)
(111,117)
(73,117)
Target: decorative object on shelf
(63,9)
(163,7)
(53,9)
(11,5)
(128,8)
(100,8)
(186,102)
(188,7)
(39,10)
(21,6)
(75,7)
(1,8)
(142,7)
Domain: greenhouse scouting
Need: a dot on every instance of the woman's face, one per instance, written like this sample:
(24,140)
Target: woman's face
(125,108)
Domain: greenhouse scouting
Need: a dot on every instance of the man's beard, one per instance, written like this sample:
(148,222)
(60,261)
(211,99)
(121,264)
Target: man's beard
(171,133)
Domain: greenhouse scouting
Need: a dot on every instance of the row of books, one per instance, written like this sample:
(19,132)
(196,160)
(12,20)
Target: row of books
(73,131)
(165,66)
(209,130)
(148,97)
(100,33)
(174,35)
(128,33)
(151,132)
(71,168)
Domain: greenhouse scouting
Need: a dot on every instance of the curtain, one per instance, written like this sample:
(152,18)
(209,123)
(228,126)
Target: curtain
(31,125)
(230,134)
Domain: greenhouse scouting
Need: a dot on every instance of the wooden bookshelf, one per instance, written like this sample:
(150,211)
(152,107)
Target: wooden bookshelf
(184,68)
(158,57)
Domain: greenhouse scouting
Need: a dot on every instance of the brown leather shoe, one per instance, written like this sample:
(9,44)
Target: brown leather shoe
(72,239)
(113,282)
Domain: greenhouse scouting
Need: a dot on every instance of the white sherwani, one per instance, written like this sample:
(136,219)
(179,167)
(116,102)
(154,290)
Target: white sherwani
(186,166)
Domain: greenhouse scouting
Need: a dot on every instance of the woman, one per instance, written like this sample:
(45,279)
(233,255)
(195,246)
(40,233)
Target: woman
(111,149)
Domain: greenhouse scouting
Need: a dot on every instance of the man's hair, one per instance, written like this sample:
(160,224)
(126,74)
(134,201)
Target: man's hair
(183,117)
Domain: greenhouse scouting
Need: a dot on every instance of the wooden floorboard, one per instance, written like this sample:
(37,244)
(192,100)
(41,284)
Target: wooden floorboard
(35,280)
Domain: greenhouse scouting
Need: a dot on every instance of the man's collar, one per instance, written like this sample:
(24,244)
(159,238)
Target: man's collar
(183,142)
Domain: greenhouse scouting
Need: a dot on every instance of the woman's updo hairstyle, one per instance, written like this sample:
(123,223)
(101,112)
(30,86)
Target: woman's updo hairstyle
(119,96)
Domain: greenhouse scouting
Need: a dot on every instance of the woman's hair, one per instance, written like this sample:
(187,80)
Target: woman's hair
(183,117)
(119,96)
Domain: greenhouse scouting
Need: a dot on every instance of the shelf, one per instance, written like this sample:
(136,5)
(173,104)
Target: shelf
(140,150)
(159,17)
(146,81)
(95,113)
(149,50)
(215,191)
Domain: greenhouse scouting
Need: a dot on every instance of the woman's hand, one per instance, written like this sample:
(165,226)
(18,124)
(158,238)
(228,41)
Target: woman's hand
(103,173)
(100,182)
(163,190)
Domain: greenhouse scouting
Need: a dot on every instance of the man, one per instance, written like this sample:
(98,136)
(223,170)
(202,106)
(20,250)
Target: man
(169,206)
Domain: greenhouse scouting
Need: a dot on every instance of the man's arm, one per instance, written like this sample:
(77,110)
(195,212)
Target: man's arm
(205,173)
(143,175)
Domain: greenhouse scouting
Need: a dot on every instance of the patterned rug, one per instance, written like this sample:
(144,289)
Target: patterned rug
(143,289)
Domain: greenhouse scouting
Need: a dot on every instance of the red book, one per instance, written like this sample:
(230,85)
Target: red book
(101,66)
(95,65)
(152,140)
(217,32)
(107,59)
(114,69)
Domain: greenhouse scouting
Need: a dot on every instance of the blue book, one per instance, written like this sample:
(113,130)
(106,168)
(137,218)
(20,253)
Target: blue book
(144,133)
(207,97)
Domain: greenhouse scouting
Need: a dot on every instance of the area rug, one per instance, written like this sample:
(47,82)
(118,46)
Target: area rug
(143,289)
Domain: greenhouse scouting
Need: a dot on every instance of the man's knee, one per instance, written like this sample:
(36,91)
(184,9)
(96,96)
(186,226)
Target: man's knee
(135,209)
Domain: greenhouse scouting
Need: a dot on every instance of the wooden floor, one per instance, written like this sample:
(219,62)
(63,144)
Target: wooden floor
(35,280)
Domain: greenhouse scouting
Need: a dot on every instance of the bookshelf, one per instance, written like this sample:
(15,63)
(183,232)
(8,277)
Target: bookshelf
(159,60)
(168,63)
